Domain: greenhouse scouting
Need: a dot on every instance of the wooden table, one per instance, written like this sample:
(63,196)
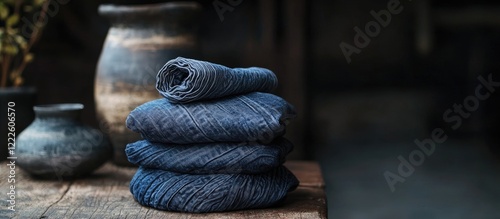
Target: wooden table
(105,194)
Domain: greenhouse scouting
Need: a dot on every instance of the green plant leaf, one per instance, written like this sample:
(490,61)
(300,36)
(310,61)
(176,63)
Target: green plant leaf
(13,31)
(19,39)
(29,57)
(4,11)
(12,20)
(39,3)
(11,49)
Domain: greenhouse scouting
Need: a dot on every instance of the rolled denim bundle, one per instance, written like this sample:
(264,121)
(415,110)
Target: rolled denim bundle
(250,117)
(183,80)
(221,157)
(172,191)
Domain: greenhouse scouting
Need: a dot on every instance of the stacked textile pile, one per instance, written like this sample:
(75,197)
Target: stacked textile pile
(214,143)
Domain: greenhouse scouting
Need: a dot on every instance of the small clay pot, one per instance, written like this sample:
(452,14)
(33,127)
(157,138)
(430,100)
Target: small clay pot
(58,145)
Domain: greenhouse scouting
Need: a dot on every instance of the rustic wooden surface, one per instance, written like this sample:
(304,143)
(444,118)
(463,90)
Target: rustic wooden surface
(105,194)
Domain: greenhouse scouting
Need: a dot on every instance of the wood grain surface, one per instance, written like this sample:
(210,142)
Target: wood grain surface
(105,194)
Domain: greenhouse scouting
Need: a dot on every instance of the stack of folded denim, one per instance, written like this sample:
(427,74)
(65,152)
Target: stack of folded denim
(214,143)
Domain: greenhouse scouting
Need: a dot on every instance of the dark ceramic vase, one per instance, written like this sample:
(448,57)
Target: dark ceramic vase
(142,38)
(20,101)
(58,145)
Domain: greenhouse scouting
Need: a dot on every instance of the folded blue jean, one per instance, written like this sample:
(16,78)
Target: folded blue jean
(210,158)
(183,80)
(172,191)
(251,117)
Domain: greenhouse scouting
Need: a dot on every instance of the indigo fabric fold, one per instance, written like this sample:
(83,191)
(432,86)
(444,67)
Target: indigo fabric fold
(183,80)
(250,117)
(245,158)
(214,143)
(172,191)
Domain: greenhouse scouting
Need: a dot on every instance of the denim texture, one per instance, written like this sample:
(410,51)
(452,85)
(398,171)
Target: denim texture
(172,191)
(183,80)
(250,117)
(214,143)
(221,157)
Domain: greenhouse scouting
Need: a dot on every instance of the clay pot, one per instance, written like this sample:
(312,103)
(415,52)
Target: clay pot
(142,38)
(58,145)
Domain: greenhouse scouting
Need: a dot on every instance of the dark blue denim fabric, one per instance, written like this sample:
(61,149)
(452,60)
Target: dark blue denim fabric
(209,158)
(183,80)
(250,117)
(212,192)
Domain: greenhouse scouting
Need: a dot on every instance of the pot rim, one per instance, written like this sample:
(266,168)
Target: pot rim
(58,107)
(113,9)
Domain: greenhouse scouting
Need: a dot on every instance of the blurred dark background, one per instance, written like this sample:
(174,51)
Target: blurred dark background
(355,118)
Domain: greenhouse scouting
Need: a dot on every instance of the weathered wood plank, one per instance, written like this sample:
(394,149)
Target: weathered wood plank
(308,173)
(105,194)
